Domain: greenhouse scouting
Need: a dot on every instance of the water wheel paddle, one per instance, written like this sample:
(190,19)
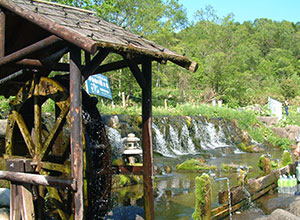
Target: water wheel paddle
(44,140)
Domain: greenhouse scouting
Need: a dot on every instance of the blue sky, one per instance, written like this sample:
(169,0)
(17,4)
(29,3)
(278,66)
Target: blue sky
(248,10)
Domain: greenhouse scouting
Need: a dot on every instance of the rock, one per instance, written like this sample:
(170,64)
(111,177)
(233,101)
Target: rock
(290,132)
(4,197)
(253,213)
(294,207)
(269,203)
(293,131)
(268,121)
(158,170)
(168,169)
(126,213)
(3,123)
(113,122)
(280,214)
(4,214)
(257,149)
(281,132)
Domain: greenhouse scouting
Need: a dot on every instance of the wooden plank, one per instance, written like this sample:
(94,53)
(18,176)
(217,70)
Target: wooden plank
(147,139)
(27,210)
(15,194)
(65,33)
(2,33)
(76,131)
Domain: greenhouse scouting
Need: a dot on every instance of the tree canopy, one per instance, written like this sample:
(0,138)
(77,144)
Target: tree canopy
(240,63)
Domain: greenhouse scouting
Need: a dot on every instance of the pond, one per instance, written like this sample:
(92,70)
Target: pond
(174,192)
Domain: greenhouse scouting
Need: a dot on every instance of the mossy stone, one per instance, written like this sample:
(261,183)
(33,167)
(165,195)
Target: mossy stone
(194,165)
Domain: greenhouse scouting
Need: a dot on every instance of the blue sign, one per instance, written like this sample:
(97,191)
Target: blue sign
(98,85)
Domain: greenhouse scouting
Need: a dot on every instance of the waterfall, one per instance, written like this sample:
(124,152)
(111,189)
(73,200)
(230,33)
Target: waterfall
(178,135)
(160,143)
(216,139)
(115,140)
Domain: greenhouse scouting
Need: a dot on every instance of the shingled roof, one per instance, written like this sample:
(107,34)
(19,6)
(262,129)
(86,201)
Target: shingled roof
(90,32)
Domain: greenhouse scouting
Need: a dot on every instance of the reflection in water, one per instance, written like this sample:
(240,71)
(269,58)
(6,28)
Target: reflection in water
(174,193)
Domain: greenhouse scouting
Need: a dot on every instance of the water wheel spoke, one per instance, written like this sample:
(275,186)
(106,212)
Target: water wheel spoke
(64,168)
(54,132)
(25,133)
(37,117)
(9,134)
(59,202)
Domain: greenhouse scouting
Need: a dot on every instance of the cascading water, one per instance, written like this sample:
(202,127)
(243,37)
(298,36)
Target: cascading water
(179,135)
(115,139)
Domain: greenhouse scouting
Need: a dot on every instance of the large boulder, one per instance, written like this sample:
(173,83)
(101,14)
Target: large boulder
(294,207)
(280,214)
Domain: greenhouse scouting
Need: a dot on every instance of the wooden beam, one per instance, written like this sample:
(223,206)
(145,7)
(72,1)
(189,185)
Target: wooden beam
(20,54)
(64,67)
(91,67)
(139,76)
(37,179)
(147,139)
(2,33)
(76,131)
(65,33)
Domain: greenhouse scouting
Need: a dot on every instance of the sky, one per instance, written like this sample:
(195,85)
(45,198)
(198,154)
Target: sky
(248,10)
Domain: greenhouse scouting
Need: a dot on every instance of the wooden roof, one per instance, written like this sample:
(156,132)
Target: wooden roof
(82,27)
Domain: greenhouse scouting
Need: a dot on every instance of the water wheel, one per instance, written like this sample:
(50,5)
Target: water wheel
(44,139)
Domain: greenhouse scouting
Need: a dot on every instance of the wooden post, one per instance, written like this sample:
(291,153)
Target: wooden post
(123,99)
(2,33)
(21,203)
(76,131)
(147,140)
(203,198)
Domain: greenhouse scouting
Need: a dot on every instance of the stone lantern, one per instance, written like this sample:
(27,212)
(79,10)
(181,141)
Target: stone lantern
(131,153)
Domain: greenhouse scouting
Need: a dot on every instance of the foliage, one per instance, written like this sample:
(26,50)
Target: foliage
(286,159)
(4,106)
(289,88)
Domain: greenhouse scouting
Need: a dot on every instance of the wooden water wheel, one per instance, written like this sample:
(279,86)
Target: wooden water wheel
(42,141)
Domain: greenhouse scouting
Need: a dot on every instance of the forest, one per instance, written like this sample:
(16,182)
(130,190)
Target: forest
(239,63)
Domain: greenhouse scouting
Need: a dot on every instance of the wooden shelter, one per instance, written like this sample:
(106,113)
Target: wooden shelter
(34,36)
